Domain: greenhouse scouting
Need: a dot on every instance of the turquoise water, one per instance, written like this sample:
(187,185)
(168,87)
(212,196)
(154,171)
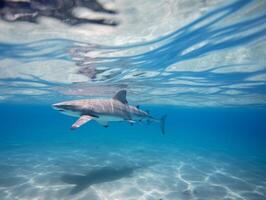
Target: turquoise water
(202,64)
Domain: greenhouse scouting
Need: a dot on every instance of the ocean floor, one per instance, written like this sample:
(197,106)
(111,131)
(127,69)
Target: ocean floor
(126,171)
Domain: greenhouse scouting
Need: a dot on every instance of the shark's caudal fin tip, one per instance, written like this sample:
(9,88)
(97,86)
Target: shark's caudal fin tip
(162,124)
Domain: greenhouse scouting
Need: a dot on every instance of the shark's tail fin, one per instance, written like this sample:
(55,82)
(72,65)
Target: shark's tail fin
(162,123)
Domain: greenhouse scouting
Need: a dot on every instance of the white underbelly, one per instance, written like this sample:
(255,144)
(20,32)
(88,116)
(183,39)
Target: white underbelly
(108,118)
(71,113)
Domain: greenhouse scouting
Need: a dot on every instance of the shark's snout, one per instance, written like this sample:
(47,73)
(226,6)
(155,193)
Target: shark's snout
(64,106)
(57,106)
(67,108)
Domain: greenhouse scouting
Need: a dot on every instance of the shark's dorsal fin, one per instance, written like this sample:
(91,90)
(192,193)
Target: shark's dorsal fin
(121,96)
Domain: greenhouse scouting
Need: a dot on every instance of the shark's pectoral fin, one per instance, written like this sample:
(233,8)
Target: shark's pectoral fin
(103,123)
(82,120)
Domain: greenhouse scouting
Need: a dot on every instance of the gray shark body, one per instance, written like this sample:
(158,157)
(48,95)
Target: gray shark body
(105,110)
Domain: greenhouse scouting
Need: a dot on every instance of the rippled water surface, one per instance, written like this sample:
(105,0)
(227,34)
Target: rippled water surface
(206,53)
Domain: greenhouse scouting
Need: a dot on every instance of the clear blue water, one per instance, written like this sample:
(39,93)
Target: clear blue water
(206,73)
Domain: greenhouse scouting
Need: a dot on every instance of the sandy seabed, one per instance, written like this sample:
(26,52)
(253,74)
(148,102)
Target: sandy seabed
(126,172)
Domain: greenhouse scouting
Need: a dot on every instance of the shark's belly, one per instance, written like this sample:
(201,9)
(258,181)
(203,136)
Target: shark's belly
(71,113)
(110,118)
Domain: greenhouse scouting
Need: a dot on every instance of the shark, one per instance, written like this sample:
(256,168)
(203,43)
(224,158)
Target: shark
(104,111)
